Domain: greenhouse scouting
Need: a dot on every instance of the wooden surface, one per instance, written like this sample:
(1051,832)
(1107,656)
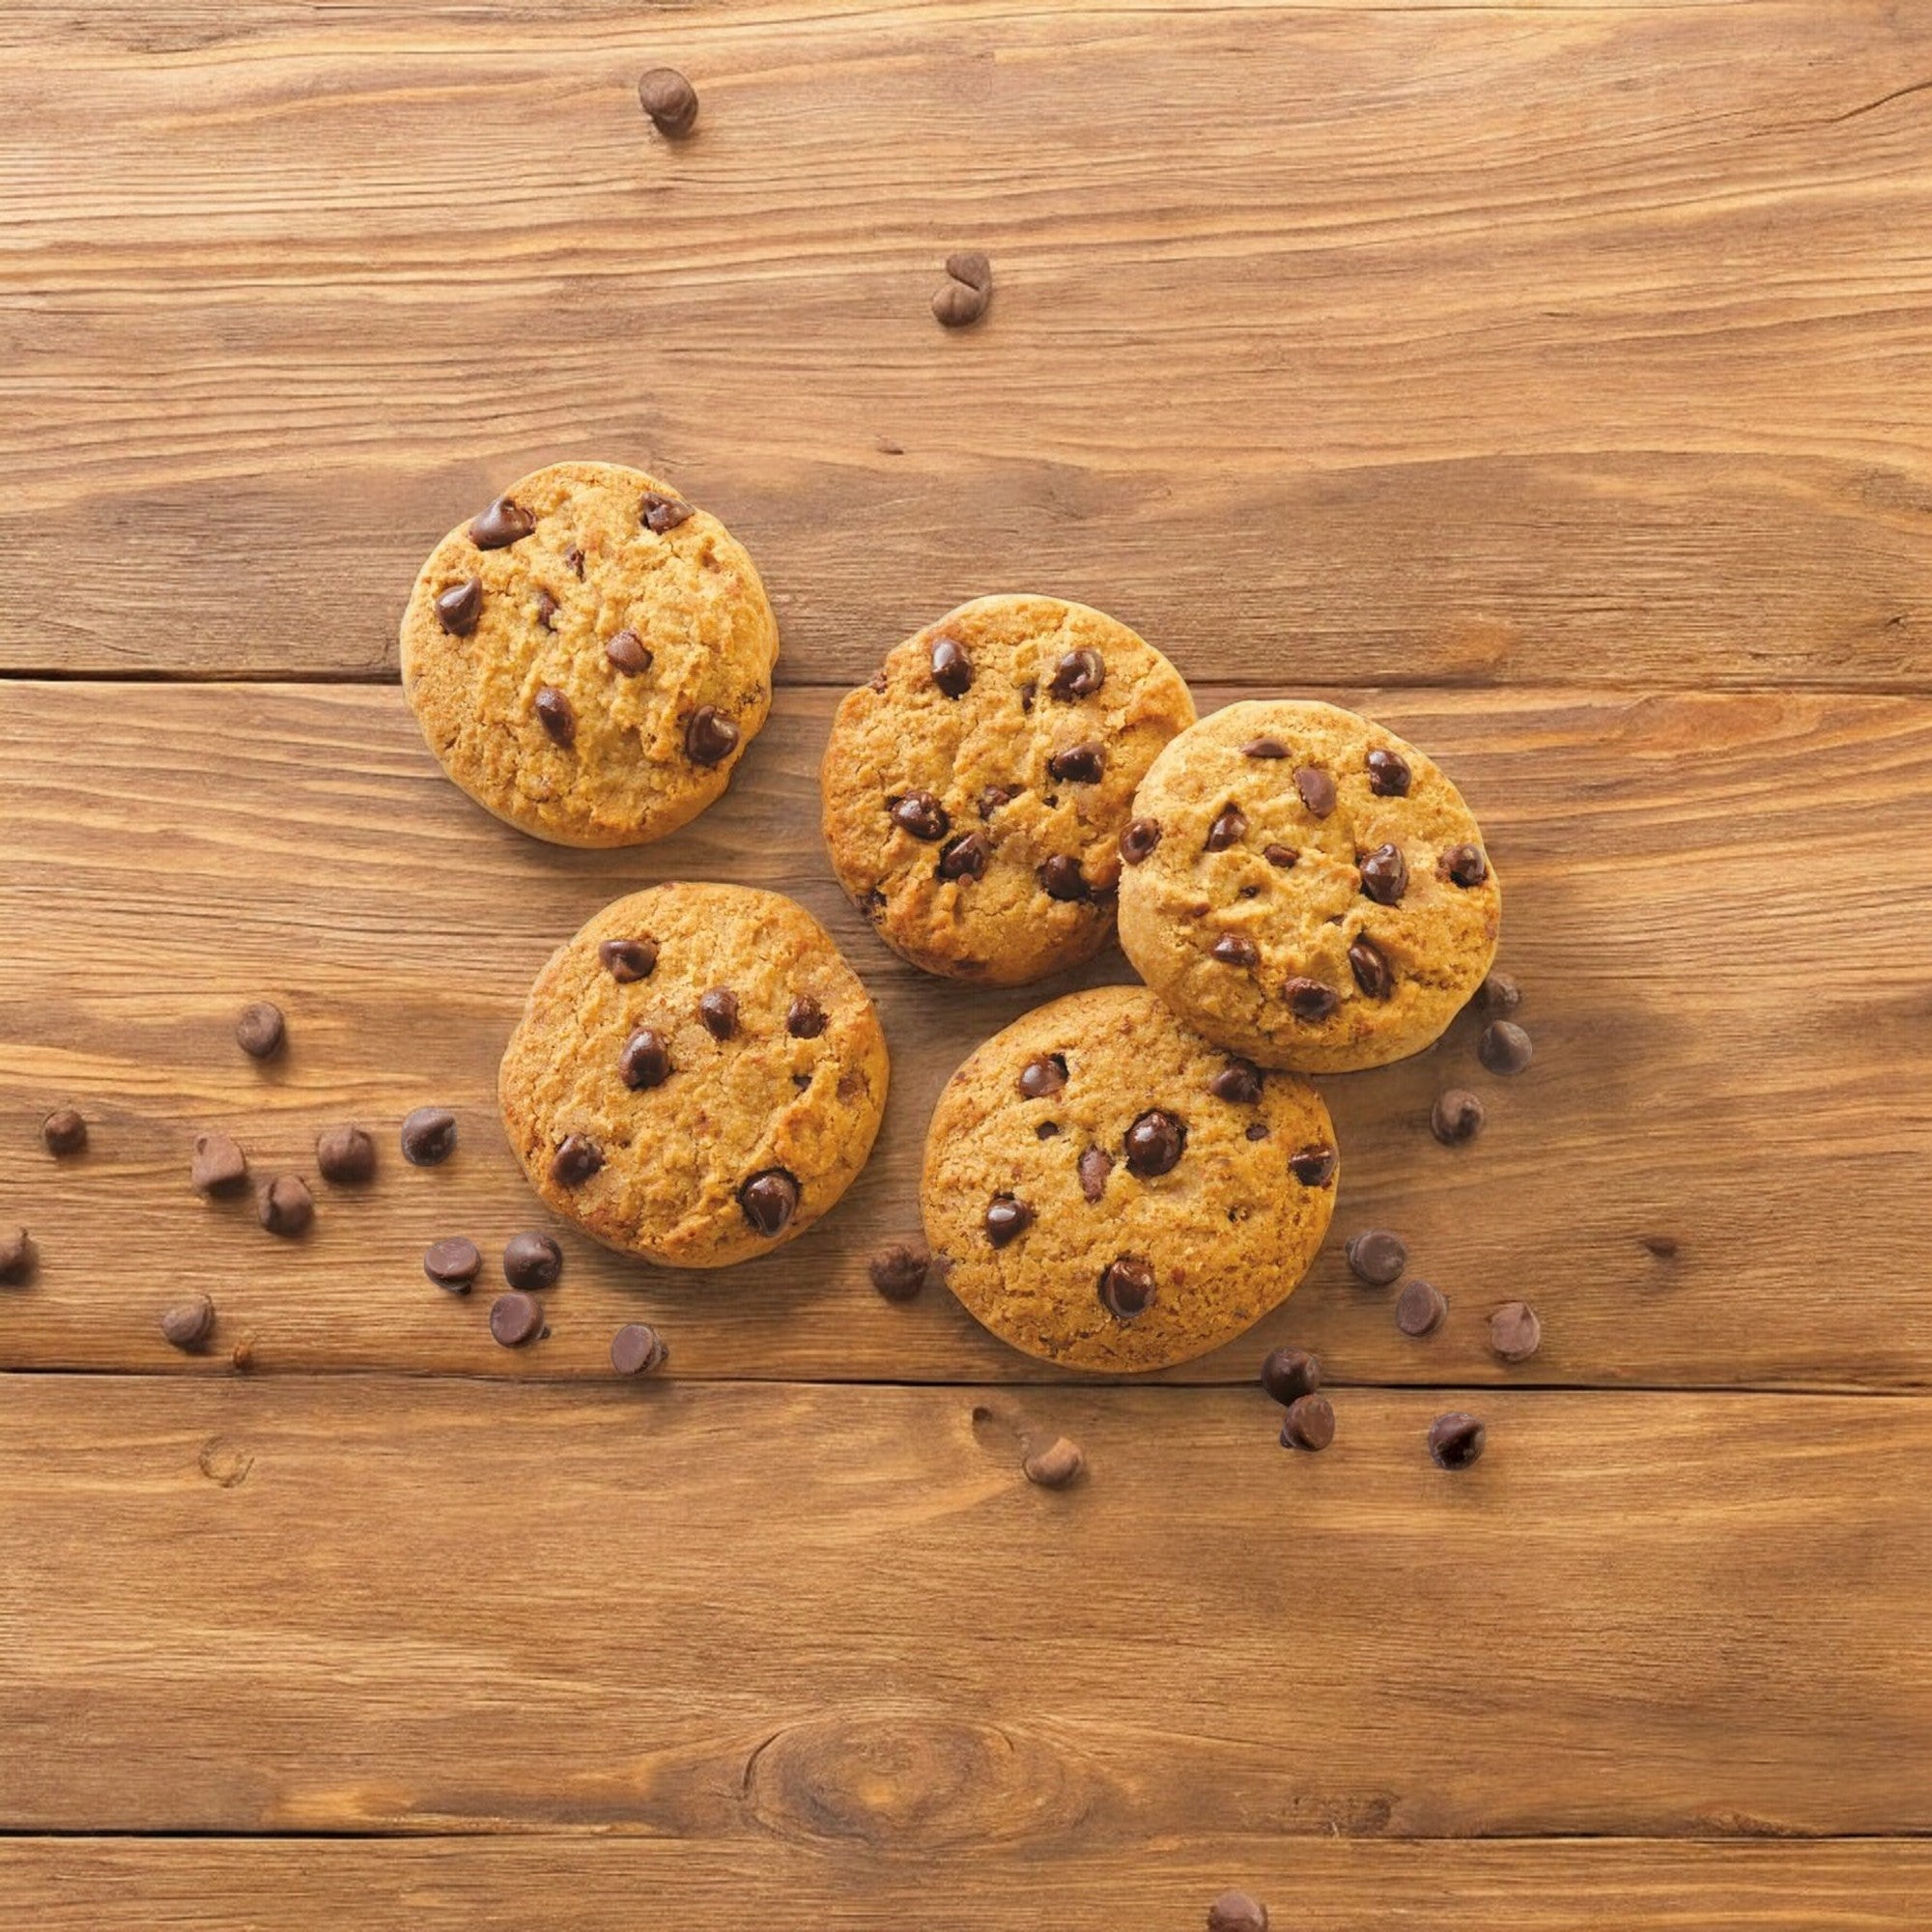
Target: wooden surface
(1549,379)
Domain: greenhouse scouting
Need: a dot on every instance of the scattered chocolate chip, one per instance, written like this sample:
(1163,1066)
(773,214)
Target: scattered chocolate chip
(1062,878)
(951,668)
(219,1166)
(189,1324)
(1078,764)
(1384,874)
(659,513)
(710,738)
(627,653)
(669,100)
(17,1254)
(966,857)
(285,1206)
(1138,838)
(1264,747)
(1421,1308)
(1235,949)
(1317,789)
(1055,1465)
(1154,1142)
(1376,1256)
(1313,1166)
(576,1159)
(1047,1074)
(547,608)
(1093,1166)
(646,1060)
(1029,690)
(429,1136)
(1371,968)
(458,608)
(1127,1288)
(718,1010)
(1309,1424)
(452,1263)
(628,960)
(1455,1117)
(1504,1047)
(899,1271)
(805,1018)
(1281,857)
(1498,996)
(1237,1911)
(1007,1219)
(1229,828)
(1240,1081)
(921,814)
(1456,1441)
(992,798)
(64,1133)
(573,556)
(501,525)
(1465,866)
(971,267)
(1078,674)
(1515,1332)
(515,1319)
(955,305)
(260,1030)
(1046,1130)
(1310,1000)
(769,1199)
(1289,1373)
(345,1156)
(556,715)
(533,1261)
(1388,774)
(1256,1130)
(1662,1246)
(637,1349)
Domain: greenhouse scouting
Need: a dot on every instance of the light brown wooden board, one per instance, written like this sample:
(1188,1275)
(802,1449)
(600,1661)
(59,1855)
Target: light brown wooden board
(1720,907)
(578,1883)
(1348,343)
(840,1617)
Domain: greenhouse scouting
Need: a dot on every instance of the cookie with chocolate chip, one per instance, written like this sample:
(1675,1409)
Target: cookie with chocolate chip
(589,655)
(977,790)
(1106,1190)
(1312,891)
(697,1075)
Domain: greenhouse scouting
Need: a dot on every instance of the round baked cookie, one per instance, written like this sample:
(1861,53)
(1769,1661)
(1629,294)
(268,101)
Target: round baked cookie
(1306,888)
(697,1075)
(1106,1190)
(975,789)
(589,656)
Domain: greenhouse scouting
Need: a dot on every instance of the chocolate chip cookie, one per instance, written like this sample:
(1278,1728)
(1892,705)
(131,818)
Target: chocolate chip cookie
(697,1075)
(976,790)
(1106,1190)
(1306,888)
(589,655)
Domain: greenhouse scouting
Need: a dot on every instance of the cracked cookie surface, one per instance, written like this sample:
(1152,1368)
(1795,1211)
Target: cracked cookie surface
(975,790)
(697,1075)
(1106,1190)
(589,655)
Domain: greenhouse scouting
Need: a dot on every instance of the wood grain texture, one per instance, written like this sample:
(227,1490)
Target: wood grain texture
(573,1881)
(1720,907)
(1350,342)
(734,1613)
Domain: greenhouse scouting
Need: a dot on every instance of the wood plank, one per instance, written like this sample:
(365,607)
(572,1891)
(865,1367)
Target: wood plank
(578,1883)
(1720,907)
(733,1614)
(1455,343)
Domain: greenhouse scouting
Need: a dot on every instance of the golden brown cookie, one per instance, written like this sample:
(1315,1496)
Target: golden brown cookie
(1105,1189)
(589,656)
(1306,888)
(975,789)
(697,1075)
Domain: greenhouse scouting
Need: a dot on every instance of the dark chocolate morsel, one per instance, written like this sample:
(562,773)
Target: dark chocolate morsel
(515,1319)
(805,1018)
(345,1156)
(1384,874)
(1042,1076)
(1317,789)
(899,1271)
(1007,1219)
(1138,838)
(769,1199)
(285,1206)
(1504,1047)
(718,1010)
(576,1159)
(261,1029)
(556,715)
(1309,1424)
(1078,674)
(637,1349)
(1234,948)
(1229,828)
(1289,1373)
(1376,1256)
(710,738)
(966,857)
(951,668)
(1370,965)
(921,814)
(533,1261)
(1240,1081)
(1094,1167)
(501,525)
(628,653)
(1465,866)
(1388,774)
(429,1136)
(1312,1166)
(452,1262)
(458,608)
(1154,1142)
(659,513)
(1310,1000)
(1127,1288)
(645,1061)
(1456,1441)
(628,960)
(1061,878)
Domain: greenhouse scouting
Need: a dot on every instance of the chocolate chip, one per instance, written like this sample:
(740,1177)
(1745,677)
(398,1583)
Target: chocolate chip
(1376,1256)
(1317,789)
(966,857)
(1078,674)
(1055,1465)
(801,1081)
(547,608)
(637,1349)
(955,305)
(1042,1076)
(452,1263)
(1515,1332)
(1465,866)
(458,608)
(627,653)
(1235,949)
(951,668)
(1240,1081)
(1281,857)
(1313,1166)
(501,525)
(1455,1117)
(899,1271)
(1138,838)
(718,1010)
(769,1199)
(1093,1166)
(669,100)
(576,1159)
(1456,1439)
(1127,1288)
(1309,1424)
(345,1156)
(1154,1142)
(556,715)
(285,1206)
(64,1133)
(1504,1047)
(710,738)
(1046,1130)
(1264,747)
(1310,1000)
(805,1018)
(1028,692)
(992,798)
(1388,774)
(189,1324)
(1421,1308)
(1371,968)
(920,813)
(515,1319)
(573,556)
(1229,828)
(1007,1219)
(429,1136)
(646,1060)
(628,960)
(1062,878)
(260,1030)
(1237,1911)
(219,1166)
(1498,996)
(659,513)
(17,1254)
(1384,874)
(1256,1130)
(533,1261)
(971,267)
(1289,1373)
(1078,764)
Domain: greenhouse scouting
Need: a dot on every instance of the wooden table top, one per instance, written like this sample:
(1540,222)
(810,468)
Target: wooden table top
(1550,379)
